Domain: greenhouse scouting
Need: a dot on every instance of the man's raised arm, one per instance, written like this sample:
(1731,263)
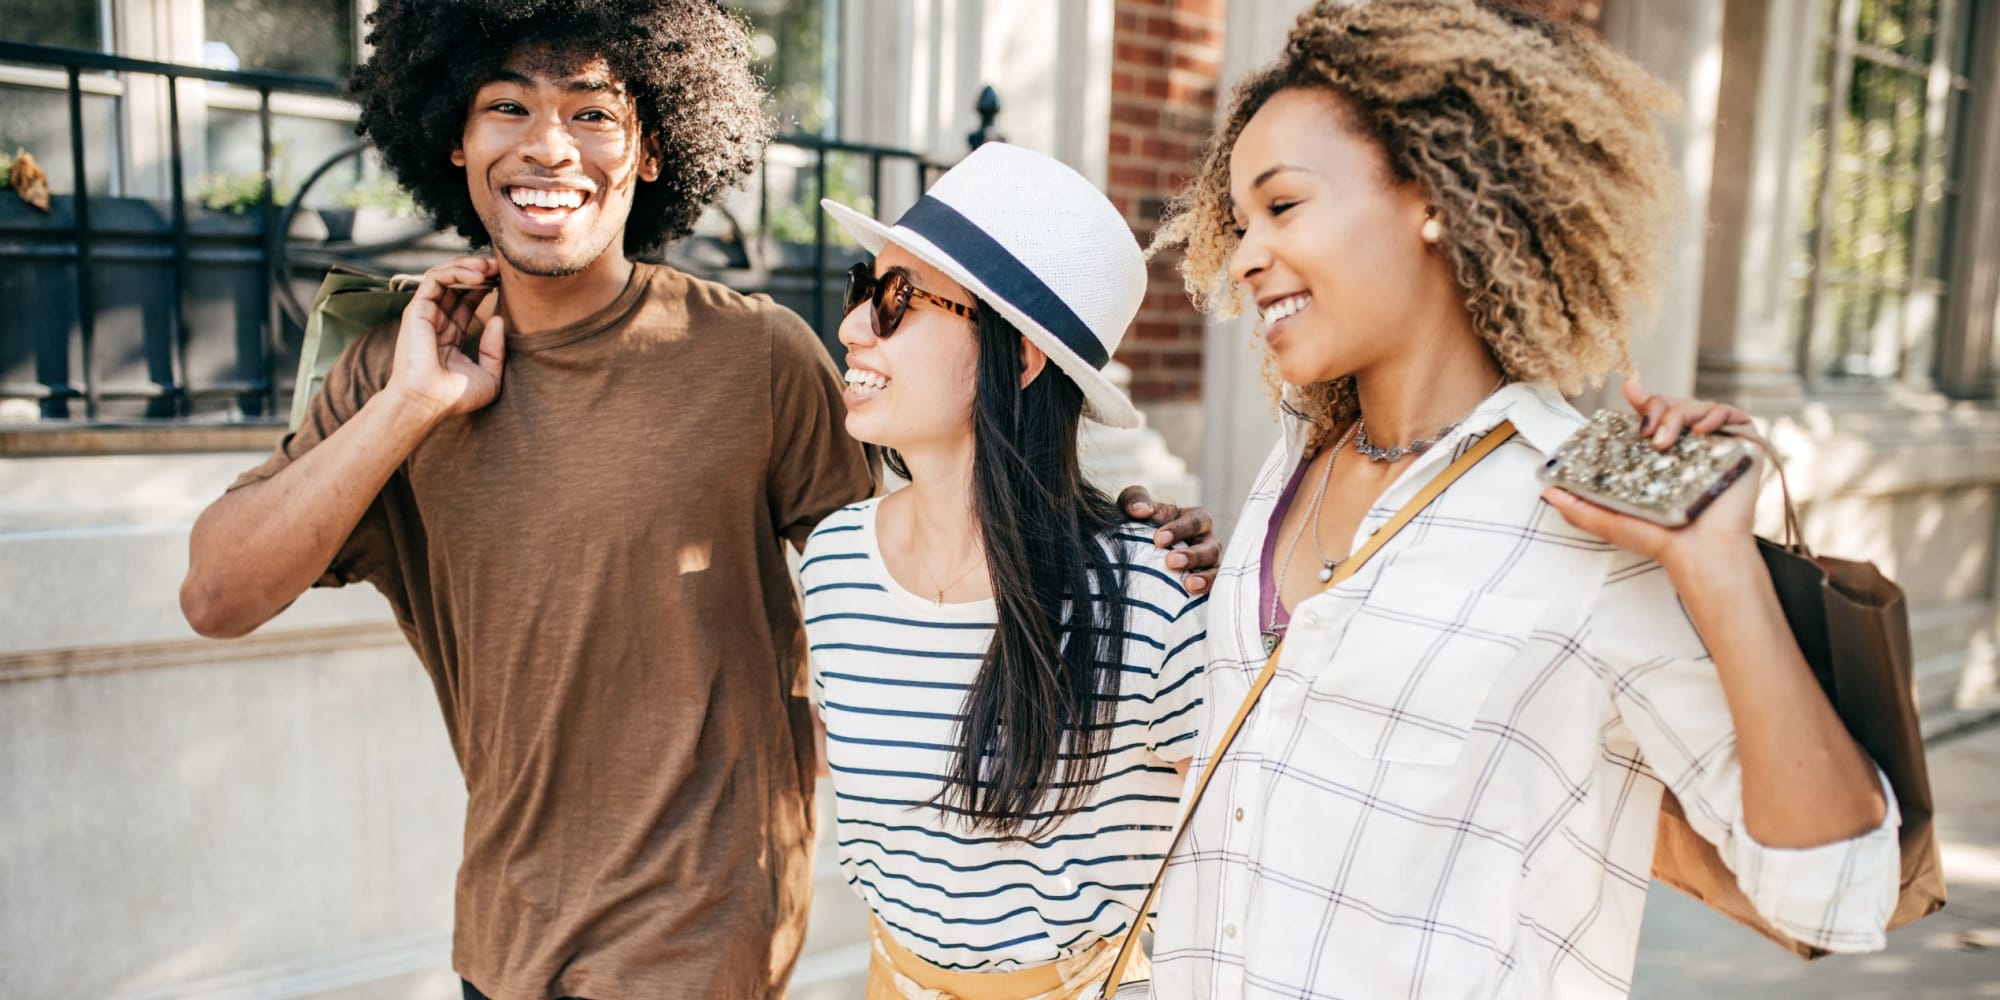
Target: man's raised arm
(259,547)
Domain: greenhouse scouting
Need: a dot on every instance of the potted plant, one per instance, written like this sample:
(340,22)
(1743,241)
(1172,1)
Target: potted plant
(237,196)
(383,212)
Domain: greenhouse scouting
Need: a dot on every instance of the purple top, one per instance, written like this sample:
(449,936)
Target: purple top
(1266,567)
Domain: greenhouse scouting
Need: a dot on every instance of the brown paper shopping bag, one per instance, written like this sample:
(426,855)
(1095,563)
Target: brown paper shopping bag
(1853,627)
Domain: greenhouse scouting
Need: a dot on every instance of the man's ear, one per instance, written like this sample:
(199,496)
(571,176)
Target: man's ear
(649,159)
(1033,360)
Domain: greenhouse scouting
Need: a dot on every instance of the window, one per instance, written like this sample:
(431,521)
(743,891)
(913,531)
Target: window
(34,107)
(1882,188)
(75,24)
(309,37)
(797,44)
(313,37)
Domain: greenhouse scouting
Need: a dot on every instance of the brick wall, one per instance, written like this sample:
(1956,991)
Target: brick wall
(1165,71)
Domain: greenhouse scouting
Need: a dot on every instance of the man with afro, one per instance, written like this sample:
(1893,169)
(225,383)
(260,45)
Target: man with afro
(586,551)
(587,554)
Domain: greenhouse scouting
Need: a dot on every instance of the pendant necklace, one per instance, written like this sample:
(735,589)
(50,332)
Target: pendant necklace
(1273,631)
(952,583)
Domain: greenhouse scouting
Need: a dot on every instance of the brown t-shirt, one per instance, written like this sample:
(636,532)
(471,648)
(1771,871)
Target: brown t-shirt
(592,570)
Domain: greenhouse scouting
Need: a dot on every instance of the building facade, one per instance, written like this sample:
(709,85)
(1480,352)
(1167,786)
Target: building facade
(1834,273)
(278,816)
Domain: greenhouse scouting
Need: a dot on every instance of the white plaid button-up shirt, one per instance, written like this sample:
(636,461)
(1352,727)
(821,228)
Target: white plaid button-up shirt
(1450,787)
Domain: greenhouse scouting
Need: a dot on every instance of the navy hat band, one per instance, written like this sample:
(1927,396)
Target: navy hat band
(1003,274)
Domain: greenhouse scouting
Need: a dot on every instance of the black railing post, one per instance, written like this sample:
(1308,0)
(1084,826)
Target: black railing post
(177,322)
(988,108)
(273,323)
(86,290)
(875,184)
(819,242)
(763,196)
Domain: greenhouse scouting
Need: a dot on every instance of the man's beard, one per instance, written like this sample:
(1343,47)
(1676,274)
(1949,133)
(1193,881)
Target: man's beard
(561,267)
(546,260)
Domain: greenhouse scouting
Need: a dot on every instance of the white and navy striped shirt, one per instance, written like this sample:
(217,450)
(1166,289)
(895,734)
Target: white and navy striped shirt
(890,674)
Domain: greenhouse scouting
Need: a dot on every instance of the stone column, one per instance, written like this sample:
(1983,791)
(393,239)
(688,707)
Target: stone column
(1966,359)
(1748,351)
(1679,41)
(1239,425)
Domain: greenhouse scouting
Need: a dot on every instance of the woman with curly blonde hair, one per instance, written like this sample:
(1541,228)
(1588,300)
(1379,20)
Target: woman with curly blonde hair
(1446,213)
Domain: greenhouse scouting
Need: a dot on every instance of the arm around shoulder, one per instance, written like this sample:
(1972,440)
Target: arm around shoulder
(1179,619)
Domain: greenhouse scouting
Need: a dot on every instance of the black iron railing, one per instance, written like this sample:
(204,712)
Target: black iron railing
(93,243)
(139,309)
(826,263)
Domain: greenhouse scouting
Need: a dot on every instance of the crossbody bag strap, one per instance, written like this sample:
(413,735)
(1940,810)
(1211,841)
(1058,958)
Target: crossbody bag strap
(1409,511)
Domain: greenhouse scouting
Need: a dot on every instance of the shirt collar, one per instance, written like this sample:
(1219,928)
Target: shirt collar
(1540,413)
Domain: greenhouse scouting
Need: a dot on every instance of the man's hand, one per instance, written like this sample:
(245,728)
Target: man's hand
(432,368)
(1191,526)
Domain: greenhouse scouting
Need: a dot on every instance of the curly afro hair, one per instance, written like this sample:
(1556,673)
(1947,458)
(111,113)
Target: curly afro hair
(686,64)
(1536,145)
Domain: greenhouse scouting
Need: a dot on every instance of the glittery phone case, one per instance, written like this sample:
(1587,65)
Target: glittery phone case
(1609,463)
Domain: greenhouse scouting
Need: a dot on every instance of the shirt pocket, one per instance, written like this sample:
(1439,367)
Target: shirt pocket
(1416,661)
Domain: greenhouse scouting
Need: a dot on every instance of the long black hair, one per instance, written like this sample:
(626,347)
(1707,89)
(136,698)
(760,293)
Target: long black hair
(1038,717)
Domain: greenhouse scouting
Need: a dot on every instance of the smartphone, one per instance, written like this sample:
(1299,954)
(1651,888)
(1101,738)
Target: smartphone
(1609,463)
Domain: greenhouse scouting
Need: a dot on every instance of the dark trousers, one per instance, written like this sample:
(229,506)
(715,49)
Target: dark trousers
(471,992)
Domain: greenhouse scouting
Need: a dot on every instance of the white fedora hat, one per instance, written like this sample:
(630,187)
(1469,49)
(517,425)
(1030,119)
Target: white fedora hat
(1036,241)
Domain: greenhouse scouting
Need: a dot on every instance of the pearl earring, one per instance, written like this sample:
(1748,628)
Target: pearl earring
(1433,230)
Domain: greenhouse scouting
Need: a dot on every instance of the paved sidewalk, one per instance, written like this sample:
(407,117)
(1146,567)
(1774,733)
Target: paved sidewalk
(1688,951)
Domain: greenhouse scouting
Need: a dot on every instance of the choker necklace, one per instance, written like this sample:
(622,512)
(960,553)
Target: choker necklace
(1376,453)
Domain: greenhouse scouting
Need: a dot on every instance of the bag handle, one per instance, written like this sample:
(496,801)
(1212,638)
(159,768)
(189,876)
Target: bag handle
(1409,511)
(1795,535)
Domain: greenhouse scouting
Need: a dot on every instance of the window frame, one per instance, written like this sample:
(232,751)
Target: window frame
(1968,361)
(1957,30)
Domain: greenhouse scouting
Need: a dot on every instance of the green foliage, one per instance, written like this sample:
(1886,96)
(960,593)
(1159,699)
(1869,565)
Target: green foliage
(1876,169)
(235,193)
(381,191)
(793,221)
(788,40)
(6,169)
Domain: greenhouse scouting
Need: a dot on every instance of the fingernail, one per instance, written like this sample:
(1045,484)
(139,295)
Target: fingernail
(1176,561)
(1197,584)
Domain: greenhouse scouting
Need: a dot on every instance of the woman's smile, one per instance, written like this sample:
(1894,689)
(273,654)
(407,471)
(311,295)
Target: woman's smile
(1277,314)
(863,385)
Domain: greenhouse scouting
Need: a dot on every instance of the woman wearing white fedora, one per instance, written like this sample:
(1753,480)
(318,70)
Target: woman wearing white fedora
(1006,669)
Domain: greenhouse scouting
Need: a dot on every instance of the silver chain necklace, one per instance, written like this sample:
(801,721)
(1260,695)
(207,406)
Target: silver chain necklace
(1376,453)
(1273,631)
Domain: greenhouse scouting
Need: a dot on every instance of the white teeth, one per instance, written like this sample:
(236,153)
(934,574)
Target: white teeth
(537,198)
(1285,307)
(866,379)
